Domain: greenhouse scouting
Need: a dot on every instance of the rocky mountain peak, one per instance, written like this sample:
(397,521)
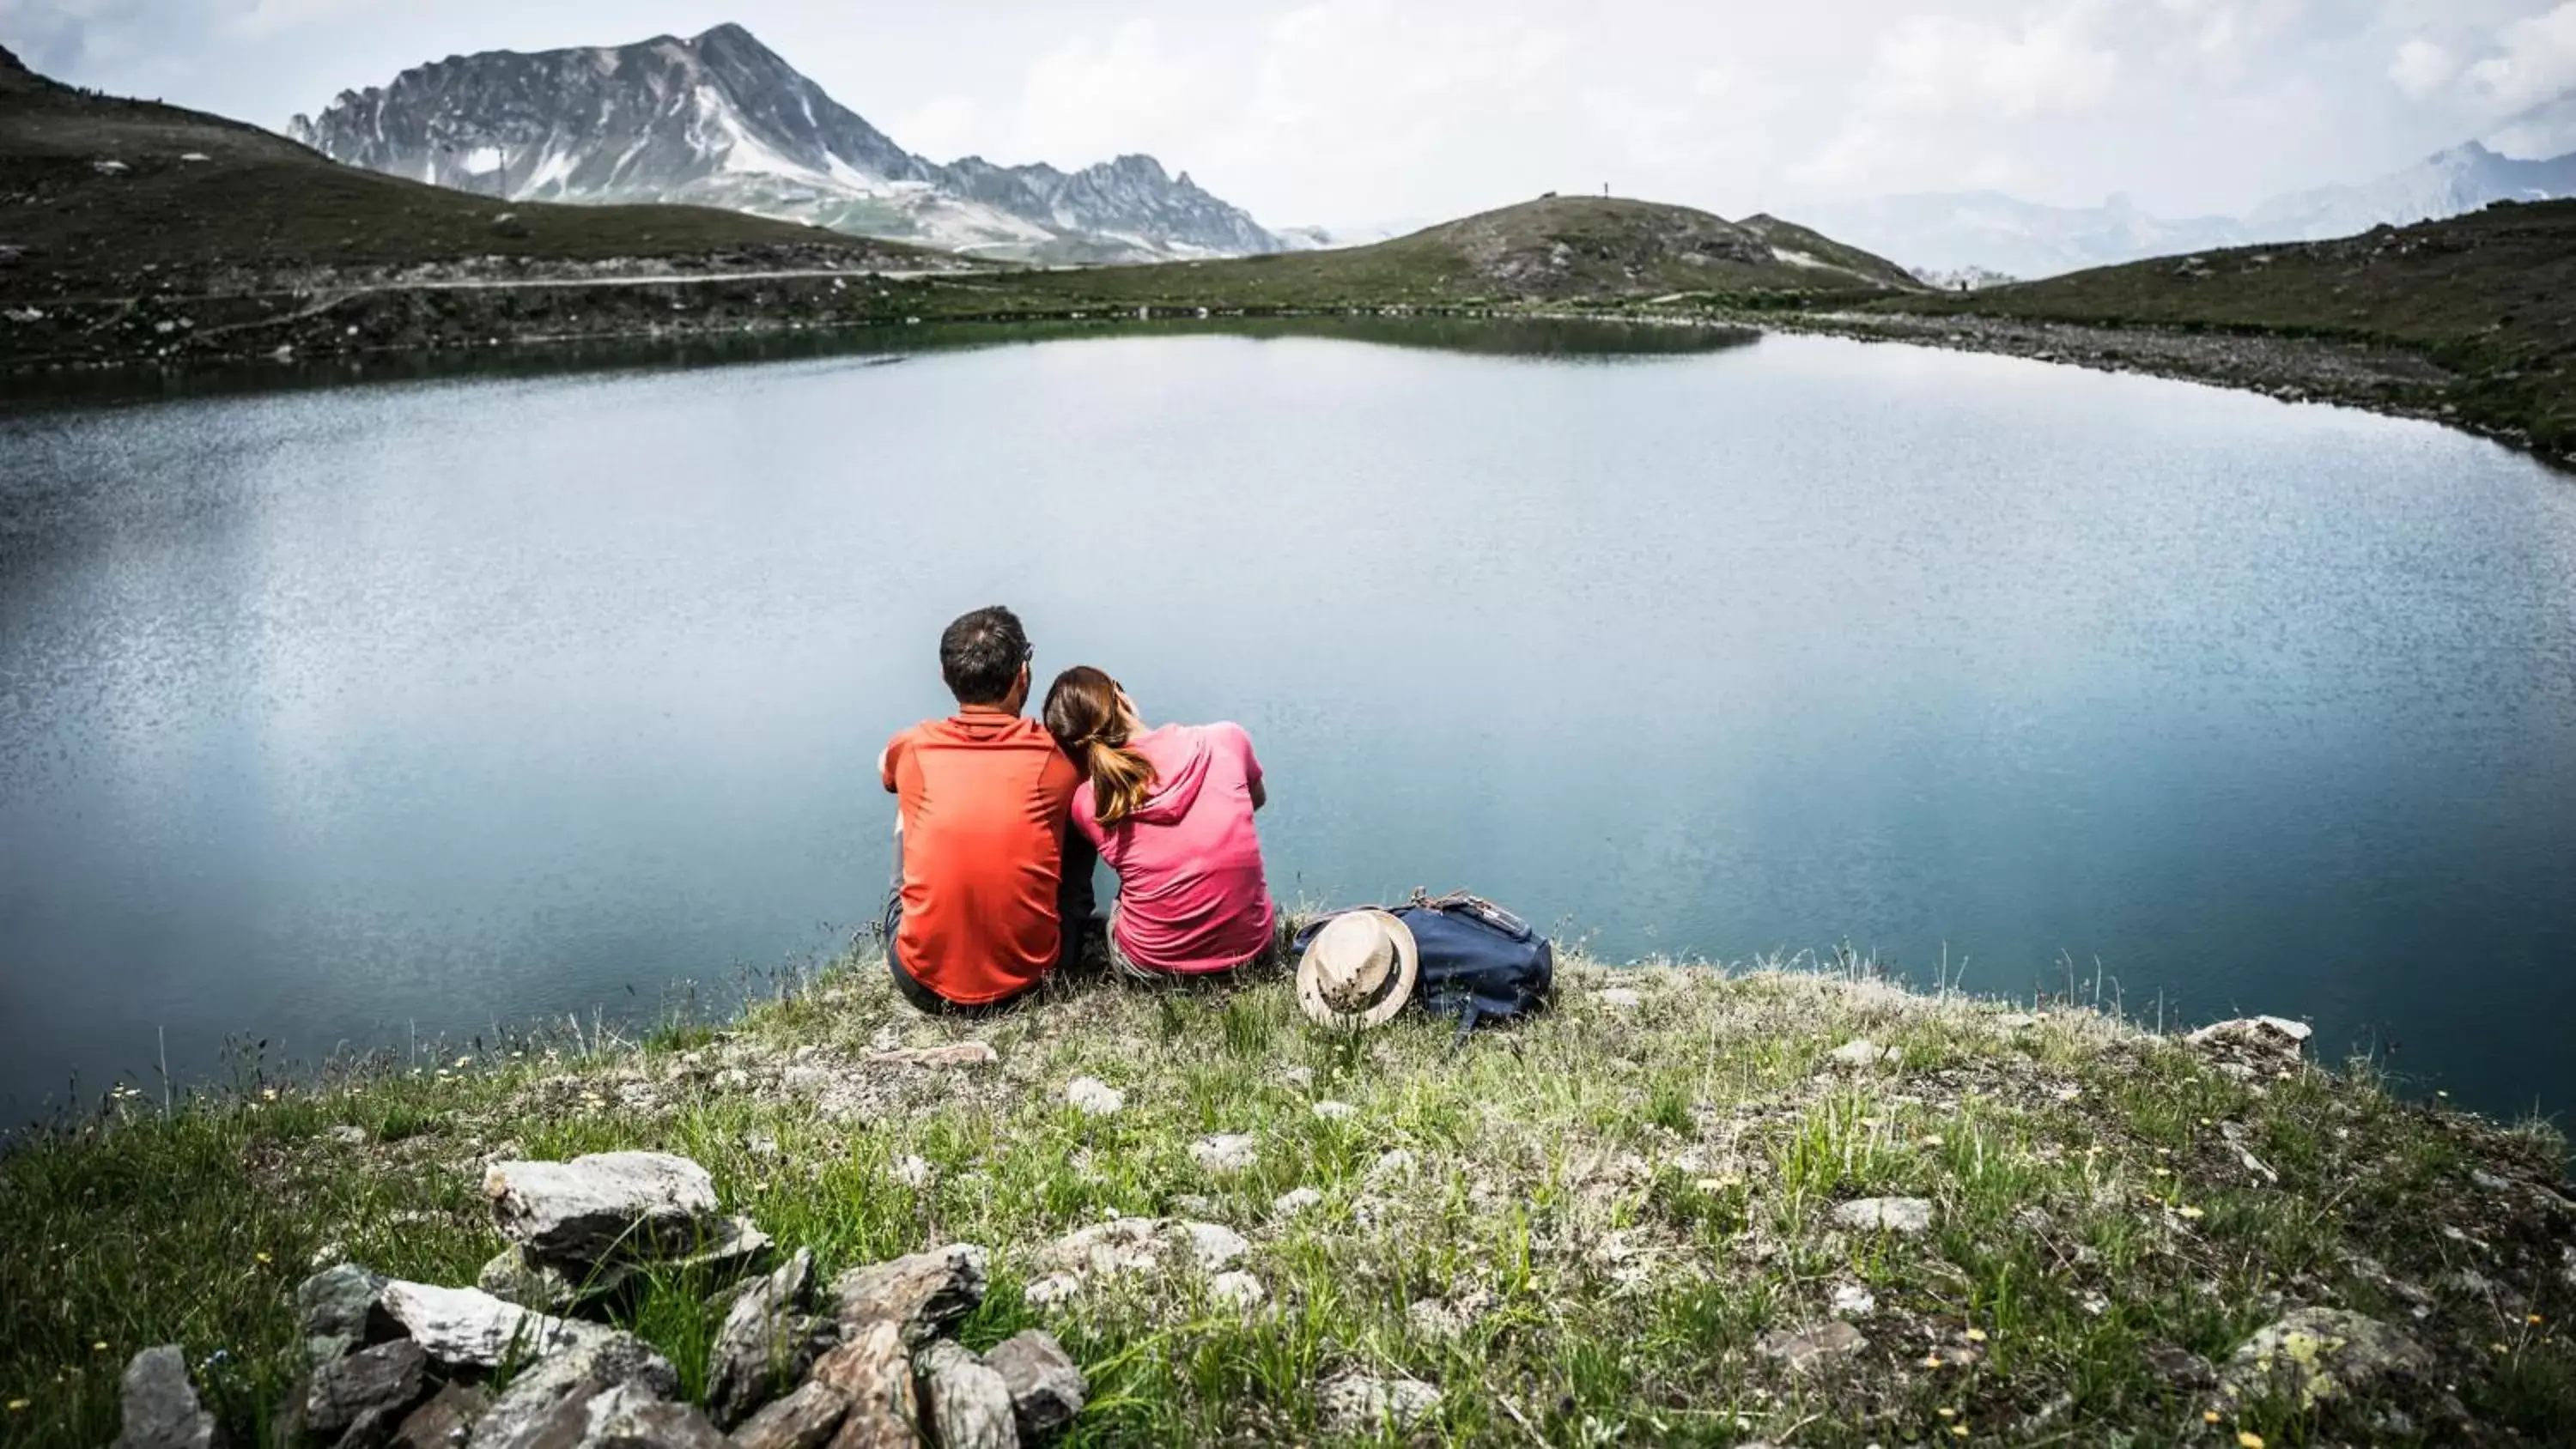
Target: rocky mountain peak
(720,119)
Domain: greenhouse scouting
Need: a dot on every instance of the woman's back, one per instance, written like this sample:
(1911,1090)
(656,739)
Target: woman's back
(1192,896)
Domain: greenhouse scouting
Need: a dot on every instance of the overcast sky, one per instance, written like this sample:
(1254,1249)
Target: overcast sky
(1353,111)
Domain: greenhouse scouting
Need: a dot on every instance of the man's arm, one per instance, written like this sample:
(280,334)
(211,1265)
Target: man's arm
(1252,769)
(1260,793)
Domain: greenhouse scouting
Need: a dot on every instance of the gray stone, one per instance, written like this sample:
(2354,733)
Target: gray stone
(1853,1301)
(160,1405)
(1226,1152)
(609,1204)
(1120,1245)
(616,1416)
(873,1374)
(377,1383)
(2266,1035)
(1620,997)
(804,1419)
(513,1277)
(1801,1350)
(768,1337)
(1093,1097)
(334,1307)
(2317,1354)
(1862,1052)
(969,1404)
(1218,1247)
(1335,1111)
(446,1421)
(1358,1404)
(1296,1200)
(347,1136)
(1237,1290)
(1886,1214)
(920,1294)
(957,1054)
(1046,1386)
(550,1403)
(466,1326)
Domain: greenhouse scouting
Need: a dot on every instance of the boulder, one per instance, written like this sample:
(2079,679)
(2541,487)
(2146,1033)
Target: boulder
(1217,1247)
(768,1337)
(968,1403)
(551,1403)
(2316,1354)
(1861,1052)
(446,1421)
(1357,1404)
(1813,1346)
(1120,1245)
(873,1374)
(1237,1290)
(372,1387)
(1853,1301)
(1046,1386)
(609,1204)
(2268,1040)
(733,1247)
(160,1406)
(468,1327)
(1094,1098)
(1886,1214)
(804,1419)
(1295,1200)
(920,1294)
(335,1308)
(1225,1152)
(1335,1111)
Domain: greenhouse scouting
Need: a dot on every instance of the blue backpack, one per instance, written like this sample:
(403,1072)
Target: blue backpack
(1479,962)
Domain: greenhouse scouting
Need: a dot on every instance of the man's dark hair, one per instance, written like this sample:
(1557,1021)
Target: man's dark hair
(980,655)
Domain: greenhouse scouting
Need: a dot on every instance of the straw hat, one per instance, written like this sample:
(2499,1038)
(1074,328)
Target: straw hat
(1359,970)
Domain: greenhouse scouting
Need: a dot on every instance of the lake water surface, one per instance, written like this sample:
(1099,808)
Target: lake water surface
(335,716)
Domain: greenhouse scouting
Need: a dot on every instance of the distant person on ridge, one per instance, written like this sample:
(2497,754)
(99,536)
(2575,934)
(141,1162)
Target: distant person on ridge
(1170,809)
(993,891)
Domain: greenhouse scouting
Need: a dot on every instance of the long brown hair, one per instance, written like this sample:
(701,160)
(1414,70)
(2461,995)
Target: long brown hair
(1084,713)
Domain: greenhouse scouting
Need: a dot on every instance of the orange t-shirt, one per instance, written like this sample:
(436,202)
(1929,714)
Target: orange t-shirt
(984,798)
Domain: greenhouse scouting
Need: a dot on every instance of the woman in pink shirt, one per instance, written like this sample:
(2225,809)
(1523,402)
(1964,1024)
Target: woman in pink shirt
(1171,811)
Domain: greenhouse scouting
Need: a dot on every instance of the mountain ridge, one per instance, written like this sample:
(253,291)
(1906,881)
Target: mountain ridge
(720,119)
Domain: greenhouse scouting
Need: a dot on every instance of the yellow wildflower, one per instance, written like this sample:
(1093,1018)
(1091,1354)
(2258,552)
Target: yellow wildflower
(18,1406)
(2248,1439)
(1976,1335)
(1934,1361)
(2192,1213)
(2535,1320)
(99,1347)
(2209,1416)
(1946,1412)
(2500,1348)
(1959,1431)
(262,1257)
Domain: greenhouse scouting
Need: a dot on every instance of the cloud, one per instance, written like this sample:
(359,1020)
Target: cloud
(1940,66)
(2422,68)
(2537,62)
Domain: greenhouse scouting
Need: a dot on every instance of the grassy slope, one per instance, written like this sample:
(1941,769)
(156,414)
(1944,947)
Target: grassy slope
(261,201)
(2491,296)
(1609,1206)
(1557,249)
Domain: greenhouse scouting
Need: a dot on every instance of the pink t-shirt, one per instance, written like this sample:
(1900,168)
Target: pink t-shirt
(1191,895)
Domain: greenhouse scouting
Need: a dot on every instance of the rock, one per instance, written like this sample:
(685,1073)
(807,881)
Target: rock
(1218,1247)
(2318,1354)
(1336,1111)
(1619,997)
(1296,1200)
(623,1416)
(507,224)
(1093,1097)
(1052,1289)
(1297,1076)
(804,1419)
(346,1136)
(956,1054)
(2267,1035)
(622,1204)
(1236,1290)
(873,1373)
(911,1171)
(550,1402)
(1395,1162)
(1120,1245)
(1861,1052)
(2488,1180)
(2180,1367)
(377,1384)
(1886,1214)
(465,1326)
(1357,1404)
(920,1294)
(1853,1301)
(767,1337)
(512,1278)
(1226,1152)
(1046,1386)
(446,1421)
(160,1407)
(1803,1350)
(334,1307)
(969,1404)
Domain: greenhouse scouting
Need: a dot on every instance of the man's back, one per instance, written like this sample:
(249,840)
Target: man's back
(984,797)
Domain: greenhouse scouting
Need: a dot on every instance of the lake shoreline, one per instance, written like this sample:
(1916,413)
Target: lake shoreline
(2070,1220)
(374,320)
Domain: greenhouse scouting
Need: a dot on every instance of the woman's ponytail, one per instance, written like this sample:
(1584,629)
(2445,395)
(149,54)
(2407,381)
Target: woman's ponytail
(1083,713)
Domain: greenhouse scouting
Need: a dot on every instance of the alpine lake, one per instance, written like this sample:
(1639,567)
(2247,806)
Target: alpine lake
(383,711)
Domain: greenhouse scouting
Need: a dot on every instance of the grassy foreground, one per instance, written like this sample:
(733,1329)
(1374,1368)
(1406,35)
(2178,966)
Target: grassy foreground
(1578,1230)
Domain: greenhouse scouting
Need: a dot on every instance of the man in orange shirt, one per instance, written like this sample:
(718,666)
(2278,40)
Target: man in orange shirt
(995,889)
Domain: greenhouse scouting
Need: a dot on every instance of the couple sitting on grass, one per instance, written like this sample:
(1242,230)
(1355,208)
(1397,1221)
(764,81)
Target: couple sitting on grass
(1000,822)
